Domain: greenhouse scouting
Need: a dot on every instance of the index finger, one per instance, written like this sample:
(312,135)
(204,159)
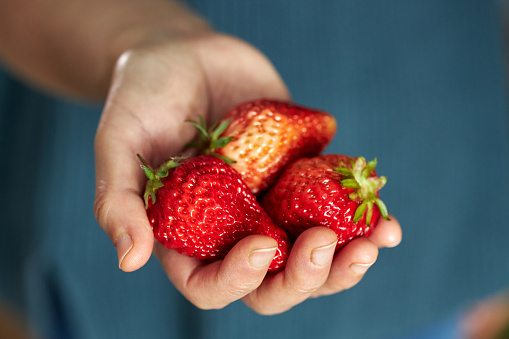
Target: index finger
(217,284)
(118,206)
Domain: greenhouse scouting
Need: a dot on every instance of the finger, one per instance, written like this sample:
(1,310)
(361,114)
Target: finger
(130,124)
(217,284)
(349,266)
(118,206)
(306,270)
(387,233)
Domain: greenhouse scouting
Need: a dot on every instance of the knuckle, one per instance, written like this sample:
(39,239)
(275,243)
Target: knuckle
(101,206)
(305,291)
(223,295)
(302,288)
(228,294)
(235,292)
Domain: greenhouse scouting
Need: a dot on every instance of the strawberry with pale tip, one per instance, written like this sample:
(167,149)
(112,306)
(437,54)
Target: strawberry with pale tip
(260,138)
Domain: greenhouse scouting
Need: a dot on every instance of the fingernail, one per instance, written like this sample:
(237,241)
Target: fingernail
(123,244)
(359,268)
(262,257)
(322,256)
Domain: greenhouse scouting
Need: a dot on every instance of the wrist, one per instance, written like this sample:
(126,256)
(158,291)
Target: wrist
(79,42)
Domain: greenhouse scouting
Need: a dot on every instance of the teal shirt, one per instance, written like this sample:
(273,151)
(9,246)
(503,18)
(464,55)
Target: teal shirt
(419,85)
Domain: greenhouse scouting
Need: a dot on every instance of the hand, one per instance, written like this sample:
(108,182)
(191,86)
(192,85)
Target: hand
(487,319)
(312,270)
(155,89)
(172,68)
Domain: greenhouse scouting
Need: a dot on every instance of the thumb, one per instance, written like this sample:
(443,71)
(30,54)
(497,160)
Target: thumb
(119,209)
(144,114)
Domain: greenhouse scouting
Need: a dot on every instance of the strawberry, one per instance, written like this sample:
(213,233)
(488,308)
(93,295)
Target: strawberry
(334,191)
(201,207)
(259,138)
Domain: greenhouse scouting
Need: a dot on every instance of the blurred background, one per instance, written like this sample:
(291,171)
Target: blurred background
(420,85)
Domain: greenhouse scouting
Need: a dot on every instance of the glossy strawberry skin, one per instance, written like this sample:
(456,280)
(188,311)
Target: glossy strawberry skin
(309,193)
(267,135)
(204,208)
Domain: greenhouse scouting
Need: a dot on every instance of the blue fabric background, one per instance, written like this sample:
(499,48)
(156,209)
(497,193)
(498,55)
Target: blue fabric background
(420,85)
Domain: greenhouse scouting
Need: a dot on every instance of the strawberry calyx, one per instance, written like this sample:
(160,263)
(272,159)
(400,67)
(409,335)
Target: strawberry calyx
(365,187)
(155,176)
(208,138)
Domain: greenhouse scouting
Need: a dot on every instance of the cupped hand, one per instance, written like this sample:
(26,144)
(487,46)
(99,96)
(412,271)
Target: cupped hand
(155,88)
(312,269)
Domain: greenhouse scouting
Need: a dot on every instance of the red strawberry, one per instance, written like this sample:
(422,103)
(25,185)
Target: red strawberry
(335,191)
(261,137)
(201,207)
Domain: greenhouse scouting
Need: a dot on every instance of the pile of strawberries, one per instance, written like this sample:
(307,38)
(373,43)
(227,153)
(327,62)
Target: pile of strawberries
(260,172)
